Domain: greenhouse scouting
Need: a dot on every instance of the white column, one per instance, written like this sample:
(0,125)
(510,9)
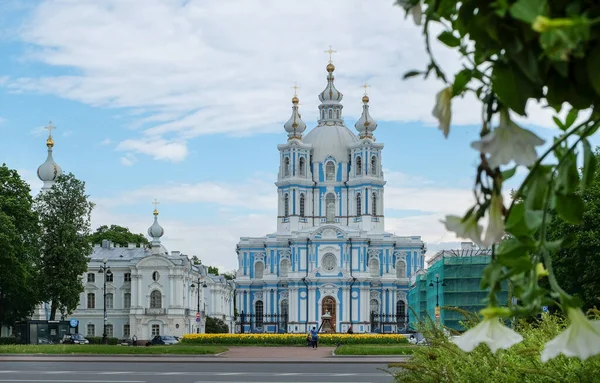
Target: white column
(141,291)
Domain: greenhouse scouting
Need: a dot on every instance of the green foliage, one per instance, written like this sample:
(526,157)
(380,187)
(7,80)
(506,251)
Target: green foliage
(213,270)
(443,361)
(117,234)
(19,248)
(98,340)
(8,340)
(195,260)
(64,212)
(577,265)
(215,326)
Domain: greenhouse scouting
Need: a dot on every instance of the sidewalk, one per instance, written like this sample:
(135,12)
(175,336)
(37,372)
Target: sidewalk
(234,355)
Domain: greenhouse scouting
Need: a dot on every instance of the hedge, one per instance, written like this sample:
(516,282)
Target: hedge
(9,340)
(292,339)
(98,340)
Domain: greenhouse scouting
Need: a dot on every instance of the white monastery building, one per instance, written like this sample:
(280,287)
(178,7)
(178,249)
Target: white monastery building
(149,291)
(331,254)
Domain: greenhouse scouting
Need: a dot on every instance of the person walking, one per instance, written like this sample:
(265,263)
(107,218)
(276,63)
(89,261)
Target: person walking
(315,337)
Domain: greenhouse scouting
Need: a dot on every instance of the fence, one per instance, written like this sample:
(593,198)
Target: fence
(276,323)
(389,323)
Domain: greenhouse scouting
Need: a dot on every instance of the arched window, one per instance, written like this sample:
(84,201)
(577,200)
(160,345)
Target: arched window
(259,269)
(374,268)
(330,207)
(322,114)
(374,165)
(358,205)
(401,313)
(126,300)
(286,167)
(374,306)
(374,204)
(286,205)
(329,262)
(330,171)
(302,201)
(284,311)
(284,268)
(91,301)
(302,167)
(155,276)
(330,113)
(400,269)
(259,312)
(155,300)
(358,166)
(110,300)
(337,114)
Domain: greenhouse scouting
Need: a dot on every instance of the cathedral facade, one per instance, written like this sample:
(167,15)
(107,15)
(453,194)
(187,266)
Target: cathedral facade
(331,257)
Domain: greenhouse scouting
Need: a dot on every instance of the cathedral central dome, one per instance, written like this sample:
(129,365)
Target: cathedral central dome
(330,140)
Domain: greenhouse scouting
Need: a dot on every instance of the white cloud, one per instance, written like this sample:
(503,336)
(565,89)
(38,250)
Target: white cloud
(106,141)
(128,159)
(195,67)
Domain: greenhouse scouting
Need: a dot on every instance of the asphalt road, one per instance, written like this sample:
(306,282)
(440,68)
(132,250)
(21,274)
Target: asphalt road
(126,372)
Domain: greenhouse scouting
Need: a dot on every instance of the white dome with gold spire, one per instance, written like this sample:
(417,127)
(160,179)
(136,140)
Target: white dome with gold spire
(365,125)
(155,231)
(295,126)
(49,171)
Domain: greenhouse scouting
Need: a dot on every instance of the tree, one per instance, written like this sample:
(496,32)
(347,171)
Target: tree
(229,276)
(64,212)
(117,234)
(213,270)
(577,266)
(195,260)
(19,248)
(215,326)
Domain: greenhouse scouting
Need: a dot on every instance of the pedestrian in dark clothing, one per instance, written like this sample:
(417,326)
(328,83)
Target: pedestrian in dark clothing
(315,337)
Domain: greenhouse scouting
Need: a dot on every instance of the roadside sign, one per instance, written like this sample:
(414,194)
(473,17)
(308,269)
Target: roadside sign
(73,322)
(197,317)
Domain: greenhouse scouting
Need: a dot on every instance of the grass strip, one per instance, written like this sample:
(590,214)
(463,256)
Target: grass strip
(367,349)
(101,349)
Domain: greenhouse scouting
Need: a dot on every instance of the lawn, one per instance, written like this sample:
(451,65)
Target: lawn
(107,349)
(372,349)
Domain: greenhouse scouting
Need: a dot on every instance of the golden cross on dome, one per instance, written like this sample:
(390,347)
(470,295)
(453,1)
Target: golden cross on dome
(366,86)
(50,128)
(295,87)
(330,51)
(155,203)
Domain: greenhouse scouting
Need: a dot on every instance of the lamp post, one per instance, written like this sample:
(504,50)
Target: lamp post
(437,294)
(105,270)
(198,308)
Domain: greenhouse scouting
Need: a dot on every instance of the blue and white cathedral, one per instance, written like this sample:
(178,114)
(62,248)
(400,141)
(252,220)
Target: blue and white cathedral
(331,257)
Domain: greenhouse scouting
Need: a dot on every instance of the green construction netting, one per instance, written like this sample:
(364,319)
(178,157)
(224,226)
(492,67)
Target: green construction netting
(462,276)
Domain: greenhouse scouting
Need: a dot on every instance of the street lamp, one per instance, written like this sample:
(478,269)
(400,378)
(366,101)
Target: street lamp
(198,308)
(106,271)
(437,294)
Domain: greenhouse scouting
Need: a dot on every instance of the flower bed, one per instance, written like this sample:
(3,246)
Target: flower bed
(292,339)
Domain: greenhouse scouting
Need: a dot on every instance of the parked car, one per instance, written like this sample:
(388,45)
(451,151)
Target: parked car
(75,339)
(164,340)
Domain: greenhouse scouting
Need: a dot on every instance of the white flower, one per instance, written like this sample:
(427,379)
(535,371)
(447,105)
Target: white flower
(495,229)
(443,109)
(581,339)
(491,332)
(414,10)
(509,142)
(464,228)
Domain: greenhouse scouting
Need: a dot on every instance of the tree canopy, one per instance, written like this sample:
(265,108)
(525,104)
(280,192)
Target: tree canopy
(117,234)
(19,248)
(64,212)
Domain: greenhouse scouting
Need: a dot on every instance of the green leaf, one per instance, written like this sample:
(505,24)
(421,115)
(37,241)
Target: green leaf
(449,39)
(537,190)
(554,246)
(533,218)
(461,80)
(593,63)
(412,73)
(507,174)
(528,10)
(512,87)
(590,164)
(570,208)
(571,117)
(567,180)
(559,123)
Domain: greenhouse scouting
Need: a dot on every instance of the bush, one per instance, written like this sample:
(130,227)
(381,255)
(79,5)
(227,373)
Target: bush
(98,340)
(443,361)
(216,326)
(9,340)
(292,339)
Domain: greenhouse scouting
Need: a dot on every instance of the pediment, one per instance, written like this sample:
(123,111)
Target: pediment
(154,261)
(329,232)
